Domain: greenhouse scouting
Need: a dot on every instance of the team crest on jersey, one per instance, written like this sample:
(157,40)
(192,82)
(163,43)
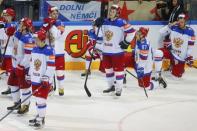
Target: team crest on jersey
(178,42)
(108,35)
(37,64)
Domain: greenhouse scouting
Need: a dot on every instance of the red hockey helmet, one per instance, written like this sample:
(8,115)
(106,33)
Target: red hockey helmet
(41,35)
(183,16)
(52,8)
(27,22)
(144,31)
(117,8)
(10,12)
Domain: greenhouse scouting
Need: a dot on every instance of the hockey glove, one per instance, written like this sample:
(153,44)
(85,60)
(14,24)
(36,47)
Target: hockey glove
(45,81)
(140,72)
(124,44)
(10,31)
(48,23)
(20,71)
(98,22)
(189,61)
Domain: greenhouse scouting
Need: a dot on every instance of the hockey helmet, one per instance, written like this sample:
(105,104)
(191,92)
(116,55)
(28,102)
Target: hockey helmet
(52,8)
(144,31)
(117,8)
(27,22)
(10,12)
(41,35)
(182,16)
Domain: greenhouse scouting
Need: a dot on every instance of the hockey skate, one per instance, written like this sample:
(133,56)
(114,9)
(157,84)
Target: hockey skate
(23,109)
(16,106)
(161,81)
(33,121)
(111,89)
(61,91)
(6,92)
(39,123)
(118,91)
(84,74)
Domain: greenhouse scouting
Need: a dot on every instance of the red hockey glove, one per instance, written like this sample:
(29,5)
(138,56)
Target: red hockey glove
(189,61)
(48,23)
(45,81)
(10,31)
(20,71)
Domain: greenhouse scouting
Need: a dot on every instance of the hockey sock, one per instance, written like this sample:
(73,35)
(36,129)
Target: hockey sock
(119,79)
(41,106)
(15,92)
(24,94)
(158,57)
(110,76)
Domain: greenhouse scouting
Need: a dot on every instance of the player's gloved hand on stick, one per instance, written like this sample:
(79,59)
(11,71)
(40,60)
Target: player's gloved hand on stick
(140,72)
(98,22)
(48,23)
(20,71)
(10,31)
(189,61)
(45,81)
(124,44)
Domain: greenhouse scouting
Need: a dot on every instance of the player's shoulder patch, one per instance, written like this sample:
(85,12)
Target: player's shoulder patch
(174,27)
(190,31)
(49,50)
(58,23)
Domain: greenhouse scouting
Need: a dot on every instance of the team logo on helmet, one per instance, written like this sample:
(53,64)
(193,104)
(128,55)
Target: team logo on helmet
(37,64)
(178,42)
(108,35)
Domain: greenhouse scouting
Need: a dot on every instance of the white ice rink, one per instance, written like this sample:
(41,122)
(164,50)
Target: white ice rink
(171,109)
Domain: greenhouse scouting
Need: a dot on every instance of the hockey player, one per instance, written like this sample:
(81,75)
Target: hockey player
(117,35)
(23,44)
(96,53)
(182,41)
(7,32)
(144,58)
(55,29)
(42,69)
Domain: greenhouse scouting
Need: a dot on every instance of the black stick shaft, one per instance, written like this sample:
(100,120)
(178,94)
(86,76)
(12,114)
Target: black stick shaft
(86,79)
(137,79)
(20,103)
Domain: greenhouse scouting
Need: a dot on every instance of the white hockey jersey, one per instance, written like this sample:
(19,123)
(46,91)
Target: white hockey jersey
(21,53)
(113,33)
(4,38)
(182,41)
(42,64)
(56,32)
(144,56)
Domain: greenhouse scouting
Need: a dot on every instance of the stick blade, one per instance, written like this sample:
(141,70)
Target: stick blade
(87,91)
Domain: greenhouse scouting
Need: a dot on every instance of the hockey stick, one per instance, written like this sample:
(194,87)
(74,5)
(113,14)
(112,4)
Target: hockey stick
(194,66)
(3,56)
(54,79)
(21,103)
(86,79)
(137,79)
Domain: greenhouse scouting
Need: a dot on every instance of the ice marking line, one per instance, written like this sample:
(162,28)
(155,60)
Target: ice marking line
(120,123)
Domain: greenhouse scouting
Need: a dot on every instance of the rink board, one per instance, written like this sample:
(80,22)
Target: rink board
(74,40)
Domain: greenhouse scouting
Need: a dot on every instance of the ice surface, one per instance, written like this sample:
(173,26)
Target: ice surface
(171,109)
